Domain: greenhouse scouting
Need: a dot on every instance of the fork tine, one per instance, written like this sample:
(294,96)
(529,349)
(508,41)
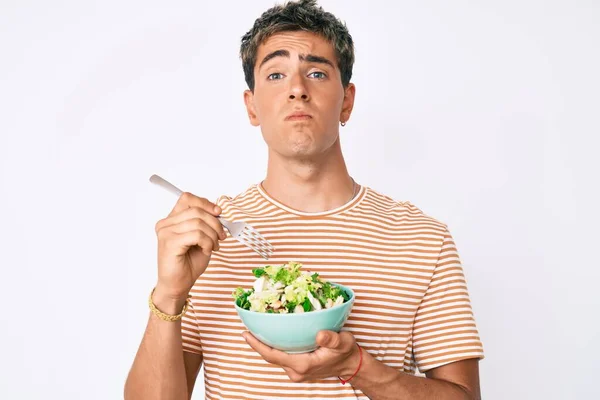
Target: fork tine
(256,239)
(256,242)
(261,251)
(251,231)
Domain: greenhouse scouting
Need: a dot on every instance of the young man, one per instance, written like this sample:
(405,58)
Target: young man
(412,307)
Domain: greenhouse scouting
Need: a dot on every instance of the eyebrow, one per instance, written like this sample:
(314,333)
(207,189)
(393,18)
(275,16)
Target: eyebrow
(311,58)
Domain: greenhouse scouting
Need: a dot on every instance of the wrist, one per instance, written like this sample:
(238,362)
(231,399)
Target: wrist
(352,364)
(166,303)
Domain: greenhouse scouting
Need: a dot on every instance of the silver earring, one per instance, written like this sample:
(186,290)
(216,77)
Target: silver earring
(342,123)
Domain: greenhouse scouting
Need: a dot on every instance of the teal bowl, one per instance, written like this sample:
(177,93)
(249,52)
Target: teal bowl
(296,333)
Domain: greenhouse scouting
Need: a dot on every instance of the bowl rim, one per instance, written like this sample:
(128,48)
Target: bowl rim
(288,315)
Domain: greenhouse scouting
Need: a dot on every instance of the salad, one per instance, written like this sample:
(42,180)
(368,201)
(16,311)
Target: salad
(286,289)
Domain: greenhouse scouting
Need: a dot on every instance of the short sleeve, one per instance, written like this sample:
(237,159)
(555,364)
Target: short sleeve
(444,330)
(190,332)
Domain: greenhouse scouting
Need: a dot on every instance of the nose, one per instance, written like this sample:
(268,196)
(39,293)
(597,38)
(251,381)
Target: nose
(298,89)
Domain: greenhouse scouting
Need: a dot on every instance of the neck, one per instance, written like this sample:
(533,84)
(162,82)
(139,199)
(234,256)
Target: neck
(310,185)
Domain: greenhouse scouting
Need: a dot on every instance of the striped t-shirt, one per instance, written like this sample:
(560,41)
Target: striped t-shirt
(412,308)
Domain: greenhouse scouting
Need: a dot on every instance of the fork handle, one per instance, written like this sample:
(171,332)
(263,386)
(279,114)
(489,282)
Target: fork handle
(157,180)
(163,183)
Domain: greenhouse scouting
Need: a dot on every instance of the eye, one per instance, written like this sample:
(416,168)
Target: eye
(275,76)
(318,75)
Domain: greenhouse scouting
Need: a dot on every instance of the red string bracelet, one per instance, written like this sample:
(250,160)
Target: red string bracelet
(344,381)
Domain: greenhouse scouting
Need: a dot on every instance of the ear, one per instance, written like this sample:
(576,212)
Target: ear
(348,103)
(249,101)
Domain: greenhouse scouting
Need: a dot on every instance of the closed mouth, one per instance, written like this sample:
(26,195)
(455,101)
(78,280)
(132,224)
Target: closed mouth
(298,116)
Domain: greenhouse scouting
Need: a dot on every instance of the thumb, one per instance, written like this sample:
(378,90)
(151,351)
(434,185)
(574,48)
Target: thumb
(328,339)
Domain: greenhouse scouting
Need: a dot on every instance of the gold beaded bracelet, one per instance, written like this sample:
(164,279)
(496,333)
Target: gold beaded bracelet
(162,315)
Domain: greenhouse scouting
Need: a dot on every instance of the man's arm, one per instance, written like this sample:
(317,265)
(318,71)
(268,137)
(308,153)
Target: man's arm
(338,355)
(186,240)
(161,369)
(458,380)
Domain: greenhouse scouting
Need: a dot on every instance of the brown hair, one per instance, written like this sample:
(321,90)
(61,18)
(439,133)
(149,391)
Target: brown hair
(302,15)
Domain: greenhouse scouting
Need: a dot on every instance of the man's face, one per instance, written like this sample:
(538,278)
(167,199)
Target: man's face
(298,97)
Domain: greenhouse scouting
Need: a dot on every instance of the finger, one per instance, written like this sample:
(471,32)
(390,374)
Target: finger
(187,200)
(288,371)
(293,375)
(196,224)
(192,213)
(329,339)
(269,354)
(195,238)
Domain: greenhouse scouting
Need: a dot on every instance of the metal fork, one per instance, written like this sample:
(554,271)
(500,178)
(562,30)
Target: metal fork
(240,231)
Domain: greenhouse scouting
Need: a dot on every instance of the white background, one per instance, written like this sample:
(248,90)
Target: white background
(483,114)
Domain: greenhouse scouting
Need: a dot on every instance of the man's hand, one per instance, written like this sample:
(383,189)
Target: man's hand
(186,240)
(338,355)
